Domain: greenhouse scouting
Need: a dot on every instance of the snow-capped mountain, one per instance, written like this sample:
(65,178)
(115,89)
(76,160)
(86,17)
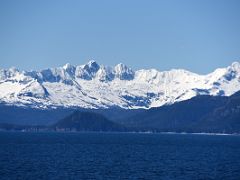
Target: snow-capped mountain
(97,86)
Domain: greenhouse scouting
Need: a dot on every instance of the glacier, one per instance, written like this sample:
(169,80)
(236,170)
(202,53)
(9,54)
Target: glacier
(97,86)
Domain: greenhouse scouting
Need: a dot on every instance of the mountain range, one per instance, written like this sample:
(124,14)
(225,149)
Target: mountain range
(94,86)
(94,97)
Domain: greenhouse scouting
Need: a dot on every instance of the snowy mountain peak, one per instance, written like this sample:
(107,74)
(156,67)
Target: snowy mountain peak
(105,74)
(97,86)
(11,72)
(123,72)
(235,66)
(68,66)
(70,69)
(87,71)
(92,63)
(232,72)
(92,66)
(121,67)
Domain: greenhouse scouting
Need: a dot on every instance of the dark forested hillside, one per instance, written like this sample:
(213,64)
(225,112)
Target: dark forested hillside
(199,114)
(88,121)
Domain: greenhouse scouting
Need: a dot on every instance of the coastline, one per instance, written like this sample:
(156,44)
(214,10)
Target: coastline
(115,132)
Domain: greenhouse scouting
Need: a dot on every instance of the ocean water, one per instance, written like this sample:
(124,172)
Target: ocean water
(118,156)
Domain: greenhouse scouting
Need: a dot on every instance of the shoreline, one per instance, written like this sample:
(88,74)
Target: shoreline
(133,132)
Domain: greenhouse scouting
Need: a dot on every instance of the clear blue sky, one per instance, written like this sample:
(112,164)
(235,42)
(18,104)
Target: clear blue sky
(198,35)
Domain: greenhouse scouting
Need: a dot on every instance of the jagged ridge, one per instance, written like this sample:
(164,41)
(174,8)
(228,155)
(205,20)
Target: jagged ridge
(97,86)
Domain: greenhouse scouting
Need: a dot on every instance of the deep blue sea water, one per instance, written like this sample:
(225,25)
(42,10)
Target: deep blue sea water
(118,156)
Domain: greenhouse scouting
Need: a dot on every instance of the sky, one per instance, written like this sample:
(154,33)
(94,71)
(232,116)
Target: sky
(199,36)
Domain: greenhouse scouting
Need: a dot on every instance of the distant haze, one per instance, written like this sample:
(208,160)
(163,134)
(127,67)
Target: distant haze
(195,35)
